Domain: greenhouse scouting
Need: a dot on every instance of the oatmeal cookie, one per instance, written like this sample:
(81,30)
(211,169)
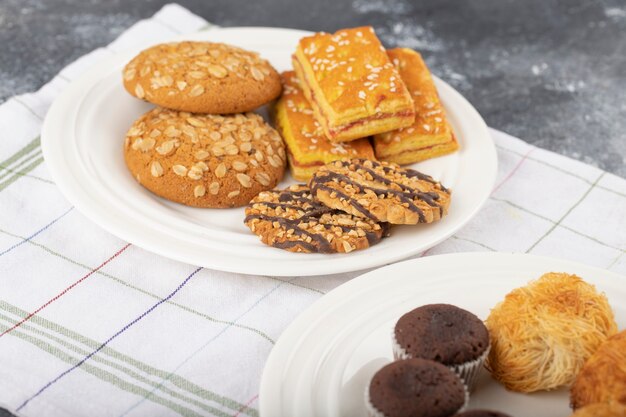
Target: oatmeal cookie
(204,160)
(202,77)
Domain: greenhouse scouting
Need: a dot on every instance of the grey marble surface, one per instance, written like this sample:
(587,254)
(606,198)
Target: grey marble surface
(548,71)
(551,72)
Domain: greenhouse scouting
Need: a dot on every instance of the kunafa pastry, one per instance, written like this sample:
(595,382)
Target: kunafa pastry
(542,333)
(354,89)
(430,135)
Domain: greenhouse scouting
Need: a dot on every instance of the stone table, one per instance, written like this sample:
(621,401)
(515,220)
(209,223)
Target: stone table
(551,72)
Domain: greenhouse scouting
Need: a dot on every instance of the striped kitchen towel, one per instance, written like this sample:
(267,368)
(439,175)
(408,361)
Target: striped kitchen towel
(91,325)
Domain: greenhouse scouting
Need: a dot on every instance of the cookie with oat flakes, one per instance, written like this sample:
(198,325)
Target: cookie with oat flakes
(293,220)
(380,191)
(202,77)
(204,160)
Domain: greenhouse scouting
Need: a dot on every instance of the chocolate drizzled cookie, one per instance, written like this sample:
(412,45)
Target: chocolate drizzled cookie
(380,192)
(291,219)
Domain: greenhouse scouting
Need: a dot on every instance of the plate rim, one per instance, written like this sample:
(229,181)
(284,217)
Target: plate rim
(76,197)
(275,363)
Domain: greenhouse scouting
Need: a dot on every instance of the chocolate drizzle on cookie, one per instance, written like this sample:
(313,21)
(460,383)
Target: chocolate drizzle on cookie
(317,186)
(384,184)
(291,219)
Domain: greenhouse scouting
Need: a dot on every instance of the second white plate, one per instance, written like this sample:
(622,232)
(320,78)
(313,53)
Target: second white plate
(82,140)
(322,363)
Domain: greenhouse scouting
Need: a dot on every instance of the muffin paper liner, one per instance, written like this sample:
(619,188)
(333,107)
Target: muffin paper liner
(468,371)
(371,410)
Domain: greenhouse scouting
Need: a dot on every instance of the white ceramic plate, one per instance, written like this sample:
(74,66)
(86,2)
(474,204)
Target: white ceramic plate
(322,363)
(82,140)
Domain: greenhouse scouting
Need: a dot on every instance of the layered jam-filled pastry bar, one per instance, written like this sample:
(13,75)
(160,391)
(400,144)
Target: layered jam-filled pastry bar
(354,89)
(430,135)
(307,145)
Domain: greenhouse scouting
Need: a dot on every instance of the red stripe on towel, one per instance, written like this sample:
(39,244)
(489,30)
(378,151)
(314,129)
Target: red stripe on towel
(59,295)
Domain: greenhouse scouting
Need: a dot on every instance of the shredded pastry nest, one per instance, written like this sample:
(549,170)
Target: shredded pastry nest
(542,333)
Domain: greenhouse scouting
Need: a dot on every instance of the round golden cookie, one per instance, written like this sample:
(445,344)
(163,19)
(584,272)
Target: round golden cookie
(603,377)
(601,410)
(380,191)
(202,77)
(204,160)
(293,220)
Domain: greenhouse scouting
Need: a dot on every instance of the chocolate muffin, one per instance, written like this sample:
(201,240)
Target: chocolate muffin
(481,413)
(415,388)
(446,334)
